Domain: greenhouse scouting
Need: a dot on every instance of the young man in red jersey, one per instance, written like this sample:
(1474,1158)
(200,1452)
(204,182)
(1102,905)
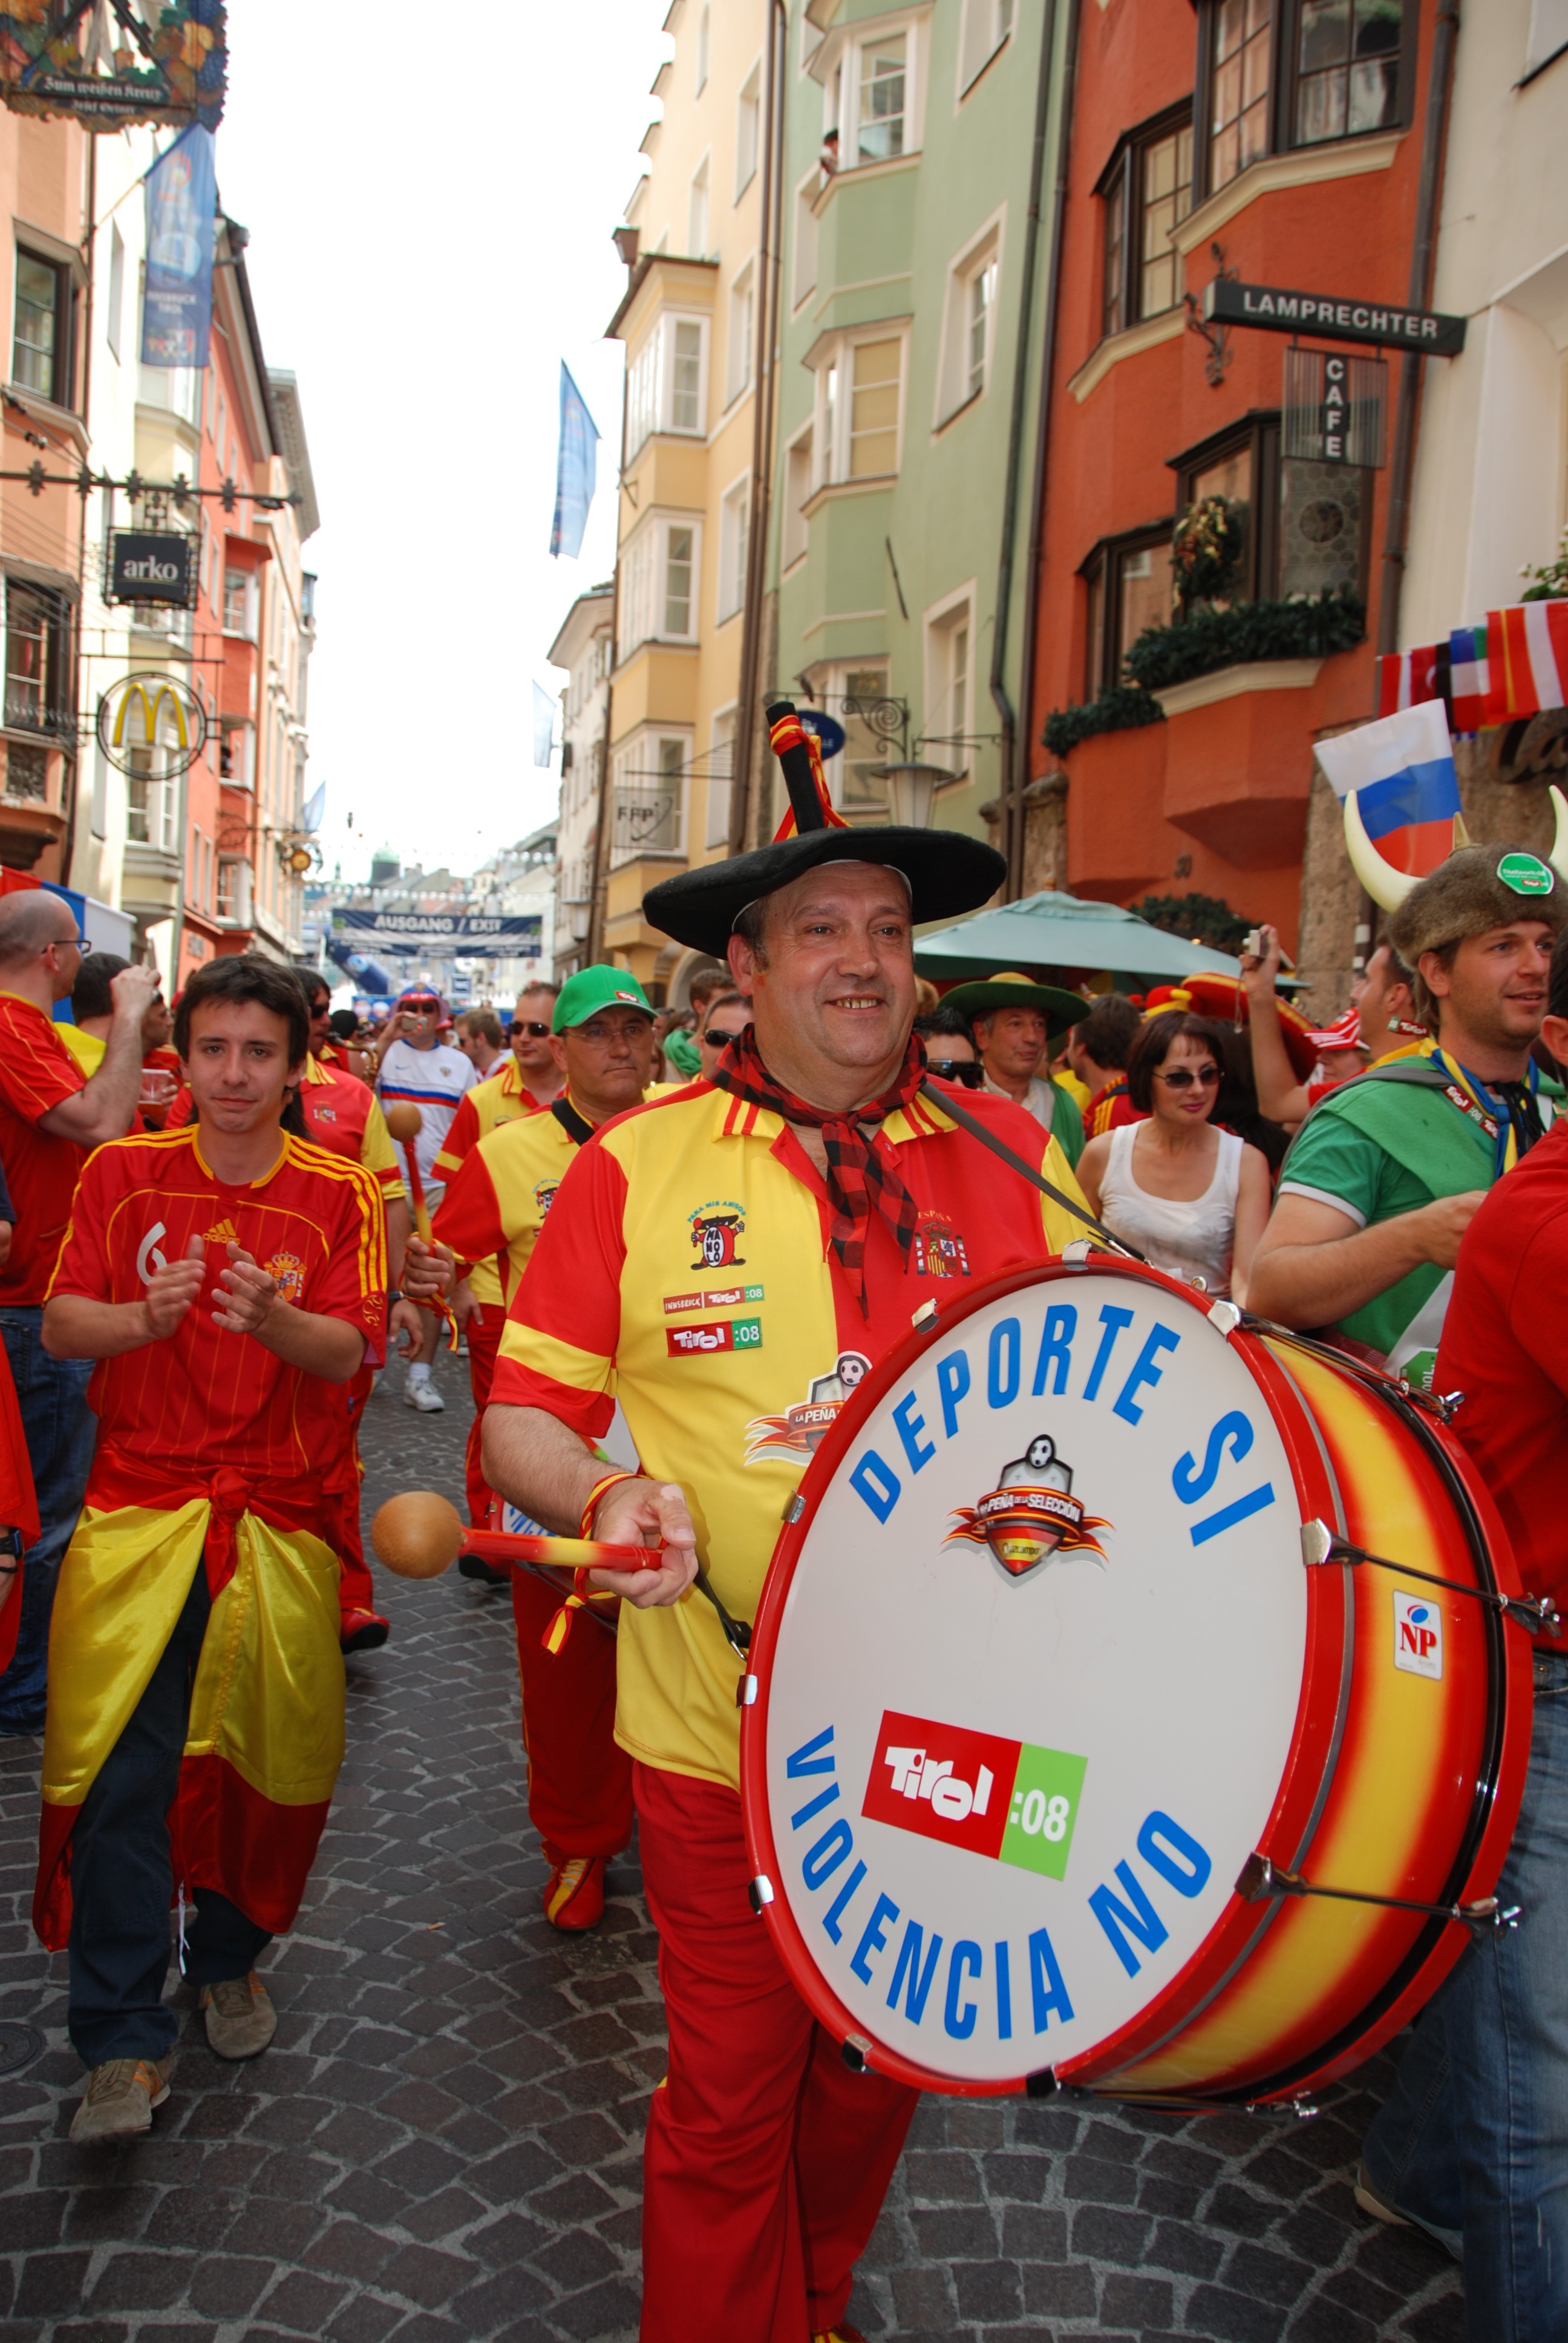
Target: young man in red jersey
(221,1275)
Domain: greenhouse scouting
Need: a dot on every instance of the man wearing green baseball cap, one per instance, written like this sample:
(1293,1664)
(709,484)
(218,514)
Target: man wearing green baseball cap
(579,1780)
(1015,1022)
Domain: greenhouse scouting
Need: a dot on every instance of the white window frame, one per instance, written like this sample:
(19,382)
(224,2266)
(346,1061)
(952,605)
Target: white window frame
(114,315)
(704,43)
(740,334)
(650,381)
(987,27)
(748,129)
(942,623)
(799,487)
(803,258)
(842,76)
(734,540)
(721,774)
(700,192)
(828,683)
(645,566)
(983,251)
(636,764)
(833,429)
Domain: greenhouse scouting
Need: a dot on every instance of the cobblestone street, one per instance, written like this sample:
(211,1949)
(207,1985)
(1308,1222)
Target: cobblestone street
(444,2141)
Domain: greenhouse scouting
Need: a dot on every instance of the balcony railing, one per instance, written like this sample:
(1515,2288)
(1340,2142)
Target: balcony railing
(644,821)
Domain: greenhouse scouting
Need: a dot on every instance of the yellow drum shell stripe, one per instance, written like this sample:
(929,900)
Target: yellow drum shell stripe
(1402,1788)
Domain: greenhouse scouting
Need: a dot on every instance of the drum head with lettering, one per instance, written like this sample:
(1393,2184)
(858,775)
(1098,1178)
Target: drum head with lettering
(1029,1667)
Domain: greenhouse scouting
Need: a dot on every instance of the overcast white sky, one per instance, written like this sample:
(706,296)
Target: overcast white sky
(430,197)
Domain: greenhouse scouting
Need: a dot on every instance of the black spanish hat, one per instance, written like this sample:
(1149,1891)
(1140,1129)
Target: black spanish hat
(948,872)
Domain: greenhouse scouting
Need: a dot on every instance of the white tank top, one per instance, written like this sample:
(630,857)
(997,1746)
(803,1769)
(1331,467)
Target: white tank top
(1189,1240)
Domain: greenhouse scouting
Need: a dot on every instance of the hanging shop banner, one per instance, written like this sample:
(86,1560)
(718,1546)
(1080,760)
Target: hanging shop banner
(107,68)
(471,933)
(1332,407)
(575,465)
(151,711)
(1275,309)
(181,203)
(148,565)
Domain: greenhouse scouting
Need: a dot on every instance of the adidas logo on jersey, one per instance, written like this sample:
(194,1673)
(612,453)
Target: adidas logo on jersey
(225,1232)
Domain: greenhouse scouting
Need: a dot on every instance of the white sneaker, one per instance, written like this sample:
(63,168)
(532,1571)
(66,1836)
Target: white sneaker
(424,1396)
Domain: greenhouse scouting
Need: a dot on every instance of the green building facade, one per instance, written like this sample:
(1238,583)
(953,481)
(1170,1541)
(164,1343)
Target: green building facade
(914,140)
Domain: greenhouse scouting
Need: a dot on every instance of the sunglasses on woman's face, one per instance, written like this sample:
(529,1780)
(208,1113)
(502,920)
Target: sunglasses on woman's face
(1182,1078)
(965,1070)
(719,1037)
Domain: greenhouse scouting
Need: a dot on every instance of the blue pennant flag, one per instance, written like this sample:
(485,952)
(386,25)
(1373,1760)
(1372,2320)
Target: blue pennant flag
(544,725)
(181,222)
(573,470)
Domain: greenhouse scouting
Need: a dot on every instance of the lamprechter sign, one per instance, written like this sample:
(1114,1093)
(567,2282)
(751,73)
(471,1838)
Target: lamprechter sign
(1278,309)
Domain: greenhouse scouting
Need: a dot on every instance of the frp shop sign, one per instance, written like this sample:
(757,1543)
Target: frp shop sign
(152,566)
(153,712)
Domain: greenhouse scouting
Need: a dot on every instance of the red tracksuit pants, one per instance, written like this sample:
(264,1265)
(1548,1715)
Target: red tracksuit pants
(580,1778)
(483,1340)
(766,2160)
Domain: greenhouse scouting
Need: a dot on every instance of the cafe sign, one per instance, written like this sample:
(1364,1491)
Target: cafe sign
(1333,318)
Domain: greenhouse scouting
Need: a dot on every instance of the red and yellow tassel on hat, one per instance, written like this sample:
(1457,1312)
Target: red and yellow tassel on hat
(800,755)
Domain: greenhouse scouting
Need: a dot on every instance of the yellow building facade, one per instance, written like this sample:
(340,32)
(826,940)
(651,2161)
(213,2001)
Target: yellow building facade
(689,325)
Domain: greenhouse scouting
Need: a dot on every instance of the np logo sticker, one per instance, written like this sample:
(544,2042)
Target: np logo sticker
(1417,1635)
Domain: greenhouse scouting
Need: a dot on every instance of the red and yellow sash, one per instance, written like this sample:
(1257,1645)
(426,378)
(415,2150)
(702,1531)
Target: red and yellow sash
(266,1735)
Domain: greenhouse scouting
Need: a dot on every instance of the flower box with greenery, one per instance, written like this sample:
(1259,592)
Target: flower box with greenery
(1120,710)
(1312,625)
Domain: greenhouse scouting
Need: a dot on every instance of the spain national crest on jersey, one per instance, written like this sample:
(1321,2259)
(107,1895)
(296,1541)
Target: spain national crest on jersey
(287,1271)
(939,1248)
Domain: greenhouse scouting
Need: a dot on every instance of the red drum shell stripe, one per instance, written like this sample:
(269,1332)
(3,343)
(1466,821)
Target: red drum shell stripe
(1287,1993)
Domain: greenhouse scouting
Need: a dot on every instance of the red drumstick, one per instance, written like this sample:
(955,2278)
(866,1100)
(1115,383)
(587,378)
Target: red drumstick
(419,1534)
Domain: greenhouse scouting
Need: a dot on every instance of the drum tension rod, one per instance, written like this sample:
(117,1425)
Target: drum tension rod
(1260,1879)
(1320,1545)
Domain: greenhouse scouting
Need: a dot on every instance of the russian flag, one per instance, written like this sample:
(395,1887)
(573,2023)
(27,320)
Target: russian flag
(1401,772)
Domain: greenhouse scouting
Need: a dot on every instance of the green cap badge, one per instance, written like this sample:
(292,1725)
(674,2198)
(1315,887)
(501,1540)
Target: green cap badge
(1527,874)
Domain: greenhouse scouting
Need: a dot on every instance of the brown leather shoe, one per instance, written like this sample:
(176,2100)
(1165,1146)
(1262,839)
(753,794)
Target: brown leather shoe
(120,2097)
(240,2019)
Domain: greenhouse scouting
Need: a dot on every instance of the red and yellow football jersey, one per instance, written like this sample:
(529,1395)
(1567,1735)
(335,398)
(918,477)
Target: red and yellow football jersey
(206,1398)
(495,1206)
(36,1072)
(344,1115)
(687,1270)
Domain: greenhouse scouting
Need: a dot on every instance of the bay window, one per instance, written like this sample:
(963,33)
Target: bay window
(666,379)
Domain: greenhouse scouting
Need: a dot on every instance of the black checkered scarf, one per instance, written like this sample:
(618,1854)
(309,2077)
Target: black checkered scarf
(862,1179)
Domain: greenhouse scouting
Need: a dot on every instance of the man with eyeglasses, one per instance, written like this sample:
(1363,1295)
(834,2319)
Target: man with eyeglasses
(51,1113)
(522,1086)
(579,1780)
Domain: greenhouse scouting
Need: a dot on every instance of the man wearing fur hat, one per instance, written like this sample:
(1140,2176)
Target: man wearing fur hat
(1388,1171)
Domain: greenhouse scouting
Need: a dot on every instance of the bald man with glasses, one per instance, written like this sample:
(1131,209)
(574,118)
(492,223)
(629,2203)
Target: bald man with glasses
(51,1114)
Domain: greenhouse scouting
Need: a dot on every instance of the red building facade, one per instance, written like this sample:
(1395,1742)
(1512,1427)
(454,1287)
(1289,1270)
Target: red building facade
(1280,142)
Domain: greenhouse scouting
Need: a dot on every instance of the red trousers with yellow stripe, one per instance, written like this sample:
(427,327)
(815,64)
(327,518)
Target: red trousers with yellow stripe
(483,1340)
(766,2160)
(579,1777)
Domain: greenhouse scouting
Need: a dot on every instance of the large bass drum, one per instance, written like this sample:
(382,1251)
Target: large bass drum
(1105,1727)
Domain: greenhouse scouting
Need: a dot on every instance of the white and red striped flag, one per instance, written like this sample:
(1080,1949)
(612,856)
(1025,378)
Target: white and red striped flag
(1527,653)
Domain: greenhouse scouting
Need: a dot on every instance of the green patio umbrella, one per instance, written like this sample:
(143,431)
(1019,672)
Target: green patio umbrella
(1055,930)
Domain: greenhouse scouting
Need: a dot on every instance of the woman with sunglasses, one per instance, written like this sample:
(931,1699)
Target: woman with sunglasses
(1193,1198)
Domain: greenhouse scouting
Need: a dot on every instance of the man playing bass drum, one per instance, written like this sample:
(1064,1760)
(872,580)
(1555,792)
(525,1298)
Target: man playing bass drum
(727,1260)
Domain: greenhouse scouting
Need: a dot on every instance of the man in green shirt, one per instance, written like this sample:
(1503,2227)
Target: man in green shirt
(1016,1022)
(1388,1170)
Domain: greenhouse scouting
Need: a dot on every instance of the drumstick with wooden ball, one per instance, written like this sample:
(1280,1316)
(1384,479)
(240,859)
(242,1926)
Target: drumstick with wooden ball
(405,1122)
(419,1535)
